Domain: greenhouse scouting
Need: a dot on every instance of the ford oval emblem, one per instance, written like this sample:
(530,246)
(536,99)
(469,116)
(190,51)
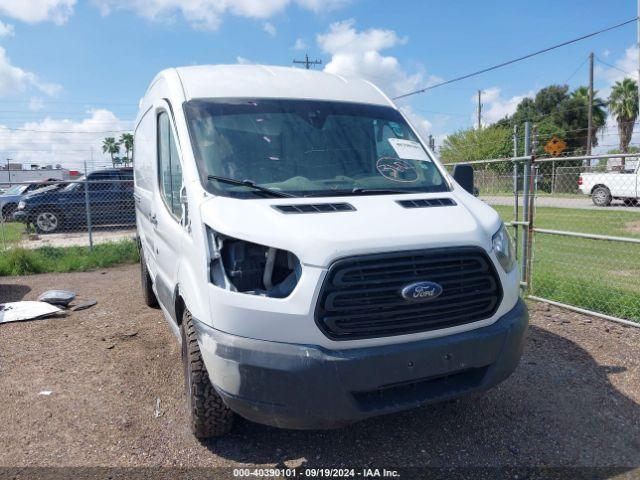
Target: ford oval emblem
(421,292)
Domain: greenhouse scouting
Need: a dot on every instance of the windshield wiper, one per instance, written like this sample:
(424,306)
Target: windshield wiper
(250,184)
(365,191)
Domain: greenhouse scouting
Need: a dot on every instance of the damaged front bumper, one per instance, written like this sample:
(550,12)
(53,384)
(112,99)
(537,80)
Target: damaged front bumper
(308,387)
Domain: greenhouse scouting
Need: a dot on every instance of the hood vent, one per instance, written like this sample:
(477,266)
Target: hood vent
(427,203)
(315,208)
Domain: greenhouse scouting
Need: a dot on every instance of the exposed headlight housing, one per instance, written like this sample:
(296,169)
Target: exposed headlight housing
(251,268)
(503,248)
(21,205)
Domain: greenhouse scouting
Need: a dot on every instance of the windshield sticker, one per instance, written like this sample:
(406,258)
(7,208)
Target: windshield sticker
(408,149)
(397,170)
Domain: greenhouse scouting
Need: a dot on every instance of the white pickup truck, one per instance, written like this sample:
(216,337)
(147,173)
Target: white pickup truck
(603,187)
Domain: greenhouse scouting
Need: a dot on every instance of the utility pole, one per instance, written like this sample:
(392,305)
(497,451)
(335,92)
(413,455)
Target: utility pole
(590,112)
(309,63)
(432,143)
(480,107)
(9,171)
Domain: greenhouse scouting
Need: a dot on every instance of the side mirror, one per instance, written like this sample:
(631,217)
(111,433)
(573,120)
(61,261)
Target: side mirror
(463,174)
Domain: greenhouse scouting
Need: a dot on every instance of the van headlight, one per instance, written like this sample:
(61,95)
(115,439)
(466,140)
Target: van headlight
(251,268)
(503,248)
(21,205)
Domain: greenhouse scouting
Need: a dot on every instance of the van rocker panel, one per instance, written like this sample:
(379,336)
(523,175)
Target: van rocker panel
(310,387)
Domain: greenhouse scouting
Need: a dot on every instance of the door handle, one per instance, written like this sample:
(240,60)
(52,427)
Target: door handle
(153,219)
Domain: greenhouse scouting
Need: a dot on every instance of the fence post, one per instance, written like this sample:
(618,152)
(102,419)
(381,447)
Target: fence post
(515,188)
(533,189)
(87,207)
(525,202)
(4,243)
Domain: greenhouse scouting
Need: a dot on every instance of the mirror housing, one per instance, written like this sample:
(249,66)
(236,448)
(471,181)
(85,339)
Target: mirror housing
(463,174)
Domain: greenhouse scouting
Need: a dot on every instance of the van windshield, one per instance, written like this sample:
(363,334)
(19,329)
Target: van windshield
(307,148)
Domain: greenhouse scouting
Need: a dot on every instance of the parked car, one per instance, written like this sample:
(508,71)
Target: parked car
(603,187)
(11,198)
(316,261)
(109,198)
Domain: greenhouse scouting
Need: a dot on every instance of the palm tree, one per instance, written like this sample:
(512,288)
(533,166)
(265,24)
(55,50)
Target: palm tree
(110,146)
(598,112)
(623,103)
(126,140)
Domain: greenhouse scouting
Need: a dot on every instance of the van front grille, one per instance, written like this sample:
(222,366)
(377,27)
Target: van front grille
(362,296)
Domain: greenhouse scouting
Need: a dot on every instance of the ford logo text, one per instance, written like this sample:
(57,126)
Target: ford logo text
(421,292)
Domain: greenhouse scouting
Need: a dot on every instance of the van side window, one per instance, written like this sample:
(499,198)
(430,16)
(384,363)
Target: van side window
(169,170)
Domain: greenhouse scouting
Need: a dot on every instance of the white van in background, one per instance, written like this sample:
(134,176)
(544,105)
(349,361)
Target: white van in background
(316,261)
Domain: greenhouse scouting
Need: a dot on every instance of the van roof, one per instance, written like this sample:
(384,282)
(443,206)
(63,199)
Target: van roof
(260,81)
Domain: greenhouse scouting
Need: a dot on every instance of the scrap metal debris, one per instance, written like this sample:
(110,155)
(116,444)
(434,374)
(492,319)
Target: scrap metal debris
(26,310)
(57,297)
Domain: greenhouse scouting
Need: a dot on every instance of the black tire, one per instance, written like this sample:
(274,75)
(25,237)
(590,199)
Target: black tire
(47,221)
(208,415)
(8,210)
(601,196)
(150,299)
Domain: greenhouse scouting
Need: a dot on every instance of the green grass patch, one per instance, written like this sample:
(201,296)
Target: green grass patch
(12,232)
(601,222)
(598,275)
(22,261)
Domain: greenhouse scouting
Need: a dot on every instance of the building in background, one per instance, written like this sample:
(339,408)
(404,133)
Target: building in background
(13,173)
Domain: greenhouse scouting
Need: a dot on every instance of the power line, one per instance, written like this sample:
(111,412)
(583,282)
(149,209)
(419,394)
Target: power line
(92,132)
(613,66)
(515,60)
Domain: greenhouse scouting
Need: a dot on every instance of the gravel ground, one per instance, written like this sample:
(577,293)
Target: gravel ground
(573,401)
(78,238)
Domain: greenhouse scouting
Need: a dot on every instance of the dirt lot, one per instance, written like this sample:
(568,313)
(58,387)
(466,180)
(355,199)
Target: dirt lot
(573,401)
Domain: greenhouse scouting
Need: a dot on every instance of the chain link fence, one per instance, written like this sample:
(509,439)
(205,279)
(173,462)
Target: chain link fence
(92,210)
(576,226)
(575,223)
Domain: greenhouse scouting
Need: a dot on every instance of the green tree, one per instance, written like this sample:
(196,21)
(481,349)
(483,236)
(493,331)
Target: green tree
(472,144)
(126,140)
(111,146)
(623,104)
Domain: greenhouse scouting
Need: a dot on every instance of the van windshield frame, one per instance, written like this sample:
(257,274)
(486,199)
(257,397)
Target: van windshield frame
(308,148)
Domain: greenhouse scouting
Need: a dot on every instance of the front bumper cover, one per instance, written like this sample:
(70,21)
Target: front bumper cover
(309,387)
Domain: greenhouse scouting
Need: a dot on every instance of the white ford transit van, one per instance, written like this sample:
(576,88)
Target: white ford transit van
(317,262)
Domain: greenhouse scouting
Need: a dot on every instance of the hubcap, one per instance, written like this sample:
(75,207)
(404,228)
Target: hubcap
(47,221)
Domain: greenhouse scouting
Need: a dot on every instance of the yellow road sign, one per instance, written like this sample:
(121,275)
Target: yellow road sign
(555,146)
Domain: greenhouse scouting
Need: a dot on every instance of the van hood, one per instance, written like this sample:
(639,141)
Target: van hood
(377,224)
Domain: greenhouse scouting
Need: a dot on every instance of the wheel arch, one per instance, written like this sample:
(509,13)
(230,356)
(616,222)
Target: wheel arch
(599,185)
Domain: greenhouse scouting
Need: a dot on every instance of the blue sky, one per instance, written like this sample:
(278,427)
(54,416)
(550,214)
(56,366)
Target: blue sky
(81,66)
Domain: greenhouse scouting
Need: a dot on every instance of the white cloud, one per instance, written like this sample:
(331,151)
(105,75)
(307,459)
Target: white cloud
(270,29)
(243,61)
(36,11)
(207,14)
(495,107)
(37,142)
(625,66)
(35,104)
(318,6)
(6,30)
(421,124)
(357,54)
(14,79)
(300,45)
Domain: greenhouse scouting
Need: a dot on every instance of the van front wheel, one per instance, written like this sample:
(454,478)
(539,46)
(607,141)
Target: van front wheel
(209,416)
